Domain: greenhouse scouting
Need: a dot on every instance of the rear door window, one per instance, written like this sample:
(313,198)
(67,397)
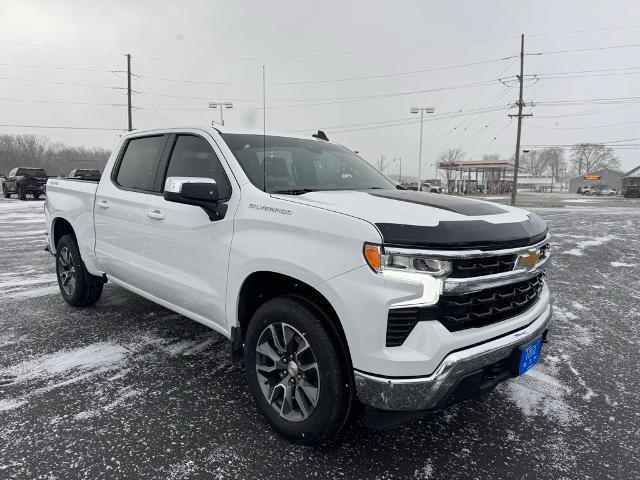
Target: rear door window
(192,156)
(139,163)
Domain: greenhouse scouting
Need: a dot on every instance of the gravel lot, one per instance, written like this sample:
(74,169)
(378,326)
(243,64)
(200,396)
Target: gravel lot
(128,389)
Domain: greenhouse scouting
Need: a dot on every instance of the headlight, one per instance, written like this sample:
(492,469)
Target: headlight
(381,262)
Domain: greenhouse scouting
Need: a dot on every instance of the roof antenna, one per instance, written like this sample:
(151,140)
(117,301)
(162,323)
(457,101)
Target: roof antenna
(321,135)
(264,133)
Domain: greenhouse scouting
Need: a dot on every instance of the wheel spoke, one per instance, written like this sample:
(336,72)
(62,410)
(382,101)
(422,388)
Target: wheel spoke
(308,367)
(63,260)
(309,391)
(287,402)
(268,351)
(303,402)
(277,341)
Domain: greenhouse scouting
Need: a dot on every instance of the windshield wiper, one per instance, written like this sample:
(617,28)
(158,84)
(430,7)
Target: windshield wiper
(294,191)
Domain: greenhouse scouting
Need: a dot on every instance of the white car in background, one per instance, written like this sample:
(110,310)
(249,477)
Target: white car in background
(606,191)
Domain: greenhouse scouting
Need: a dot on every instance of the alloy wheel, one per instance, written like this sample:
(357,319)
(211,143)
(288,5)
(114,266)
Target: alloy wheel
(67,271)
(287,371)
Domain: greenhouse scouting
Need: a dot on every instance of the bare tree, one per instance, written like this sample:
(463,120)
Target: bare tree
(56,159)
(490,157)
(553,158)
(445,161)
(533,163)
(589,157)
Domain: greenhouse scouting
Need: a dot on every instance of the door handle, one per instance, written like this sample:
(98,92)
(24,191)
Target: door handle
(155,214)
(103,204)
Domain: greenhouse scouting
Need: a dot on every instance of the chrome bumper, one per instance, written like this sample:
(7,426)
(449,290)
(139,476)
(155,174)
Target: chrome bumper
(426,393)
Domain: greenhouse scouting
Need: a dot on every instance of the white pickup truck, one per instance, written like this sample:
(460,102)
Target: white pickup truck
(333,285)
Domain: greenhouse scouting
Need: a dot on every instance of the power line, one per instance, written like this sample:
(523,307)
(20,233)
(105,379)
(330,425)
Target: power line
(331,54)
(54,47)
(55,67)
(591,49)
(584,128)
(61,127)
(61,102)
(49,82)
(334,80)
(608,29)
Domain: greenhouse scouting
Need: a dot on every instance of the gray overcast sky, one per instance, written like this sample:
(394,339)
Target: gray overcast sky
(228,42)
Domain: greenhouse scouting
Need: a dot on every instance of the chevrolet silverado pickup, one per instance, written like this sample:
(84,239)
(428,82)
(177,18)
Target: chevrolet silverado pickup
(23,181)
(335,287)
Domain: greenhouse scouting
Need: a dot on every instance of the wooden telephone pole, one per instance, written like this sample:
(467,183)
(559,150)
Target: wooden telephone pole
(514,188)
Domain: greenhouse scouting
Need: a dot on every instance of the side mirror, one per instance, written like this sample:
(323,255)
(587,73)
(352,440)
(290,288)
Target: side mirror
(197,191)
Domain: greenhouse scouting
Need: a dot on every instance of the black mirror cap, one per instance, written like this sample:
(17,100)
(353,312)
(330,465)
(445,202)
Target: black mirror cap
(203,192)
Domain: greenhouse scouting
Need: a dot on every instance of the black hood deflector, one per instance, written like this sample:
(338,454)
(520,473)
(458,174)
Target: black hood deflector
(472,234)
(458,205)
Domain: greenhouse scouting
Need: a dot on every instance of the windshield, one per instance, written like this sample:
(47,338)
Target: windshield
(33,172)
(297,165)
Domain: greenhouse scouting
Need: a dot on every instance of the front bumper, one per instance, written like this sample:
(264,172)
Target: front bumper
(439,389)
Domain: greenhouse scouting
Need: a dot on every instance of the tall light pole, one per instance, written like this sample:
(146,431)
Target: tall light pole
(422,111)
(222,106)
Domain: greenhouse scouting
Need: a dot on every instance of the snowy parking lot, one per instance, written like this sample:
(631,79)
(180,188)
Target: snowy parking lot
(128,389)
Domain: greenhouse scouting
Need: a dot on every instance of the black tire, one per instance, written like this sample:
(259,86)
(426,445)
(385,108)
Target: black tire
(335,395)
(77,286)
(5,194)
(36,196)
(22,195)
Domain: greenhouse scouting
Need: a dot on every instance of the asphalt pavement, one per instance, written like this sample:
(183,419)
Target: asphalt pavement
(128,389)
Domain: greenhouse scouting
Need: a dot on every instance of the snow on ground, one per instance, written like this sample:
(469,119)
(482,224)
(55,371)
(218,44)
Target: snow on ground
(128,389)
(582,245)
(622,264)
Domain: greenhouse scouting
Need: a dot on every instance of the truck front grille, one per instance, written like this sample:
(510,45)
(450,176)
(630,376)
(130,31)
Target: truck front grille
(471,310)
(477,267)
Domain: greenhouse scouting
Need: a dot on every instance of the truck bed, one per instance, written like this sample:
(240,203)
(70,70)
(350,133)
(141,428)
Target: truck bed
(73,200)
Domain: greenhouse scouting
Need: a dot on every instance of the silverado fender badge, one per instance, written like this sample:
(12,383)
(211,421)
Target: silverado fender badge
(528,260)
(266,208)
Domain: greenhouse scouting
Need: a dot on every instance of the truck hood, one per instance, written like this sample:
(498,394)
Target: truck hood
(430,220)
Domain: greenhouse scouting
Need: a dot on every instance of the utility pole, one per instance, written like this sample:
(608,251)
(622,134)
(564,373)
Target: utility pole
(422,111)
(514,188)
(129,91)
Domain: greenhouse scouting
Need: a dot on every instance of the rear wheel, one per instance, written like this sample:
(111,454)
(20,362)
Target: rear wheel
(36,196)
(77,286)
(296,371)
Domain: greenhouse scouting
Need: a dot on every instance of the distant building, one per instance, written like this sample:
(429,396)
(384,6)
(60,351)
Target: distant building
(631,178)
(605,177)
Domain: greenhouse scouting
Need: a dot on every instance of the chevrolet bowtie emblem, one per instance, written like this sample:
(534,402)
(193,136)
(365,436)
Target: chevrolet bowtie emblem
(528,260)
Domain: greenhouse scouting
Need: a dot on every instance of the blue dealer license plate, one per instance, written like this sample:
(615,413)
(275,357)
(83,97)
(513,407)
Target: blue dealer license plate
(529,356)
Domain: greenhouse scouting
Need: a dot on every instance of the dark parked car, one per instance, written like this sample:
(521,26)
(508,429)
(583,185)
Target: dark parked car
(85,174)
(632,191)
(25,181)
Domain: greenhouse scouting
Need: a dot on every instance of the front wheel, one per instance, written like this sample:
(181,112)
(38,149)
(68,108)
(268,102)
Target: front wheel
(297,371)
(22,195)
(77,286)
(5,194)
